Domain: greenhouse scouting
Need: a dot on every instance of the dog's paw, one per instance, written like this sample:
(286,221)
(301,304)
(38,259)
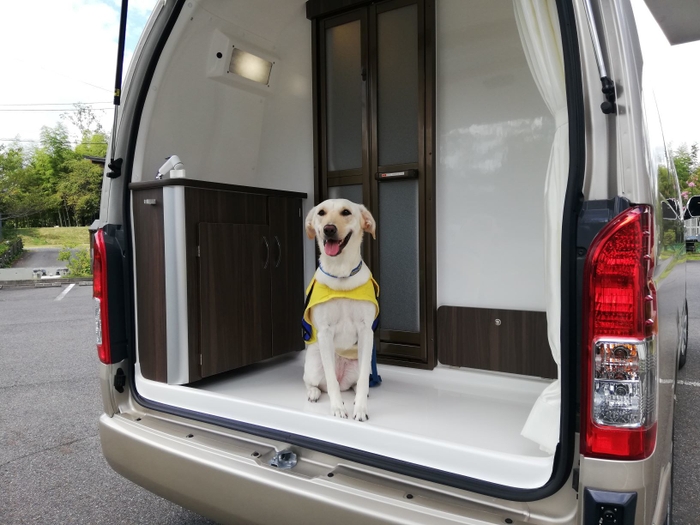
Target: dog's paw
(339,410)
(360,412)
(313,394)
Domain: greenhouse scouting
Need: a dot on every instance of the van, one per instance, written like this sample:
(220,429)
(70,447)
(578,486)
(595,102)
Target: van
(530,252)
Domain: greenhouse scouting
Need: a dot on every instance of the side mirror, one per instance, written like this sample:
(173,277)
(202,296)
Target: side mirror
(692,208)
(670,209)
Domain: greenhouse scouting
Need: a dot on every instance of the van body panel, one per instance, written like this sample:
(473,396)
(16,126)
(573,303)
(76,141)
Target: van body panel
(241,487)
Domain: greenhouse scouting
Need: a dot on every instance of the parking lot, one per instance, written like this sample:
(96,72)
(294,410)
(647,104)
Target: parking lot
(51,465)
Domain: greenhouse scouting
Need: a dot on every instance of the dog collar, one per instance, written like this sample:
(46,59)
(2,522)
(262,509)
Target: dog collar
(357,269)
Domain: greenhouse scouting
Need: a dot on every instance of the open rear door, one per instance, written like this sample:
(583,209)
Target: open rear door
(679,19)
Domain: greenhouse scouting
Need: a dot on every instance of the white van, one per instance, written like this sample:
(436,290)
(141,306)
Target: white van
(530,252)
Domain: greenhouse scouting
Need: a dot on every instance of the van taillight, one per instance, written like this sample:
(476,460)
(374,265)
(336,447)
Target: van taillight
(99,293)
(618,392)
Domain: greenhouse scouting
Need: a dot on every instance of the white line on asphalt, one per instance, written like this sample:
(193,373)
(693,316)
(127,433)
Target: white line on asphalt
(689,383)
(64,292)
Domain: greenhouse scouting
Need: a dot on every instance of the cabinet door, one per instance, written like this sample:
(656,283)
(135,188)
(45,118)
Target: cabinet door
(287,273)
(235,308)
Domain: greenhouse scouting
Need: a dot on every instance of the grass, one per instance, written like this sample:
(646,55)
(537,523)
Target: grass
(33,237)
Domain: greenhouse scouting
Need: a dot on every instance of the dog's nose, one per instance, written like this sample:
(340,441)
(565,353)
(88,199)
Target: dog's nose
(330,229)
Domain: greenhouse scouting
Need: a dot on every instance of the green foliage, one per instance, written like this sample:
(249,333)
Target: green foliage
(669,238)
(80,189)
(77,261)
(53,184)
(93,145)
(75,236)
(687,165)
(9,251)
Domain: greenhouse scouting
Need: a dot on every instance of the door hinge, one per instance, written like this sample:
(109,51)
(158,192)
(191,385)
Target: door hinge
(119,380)
(200,359)
(199,253)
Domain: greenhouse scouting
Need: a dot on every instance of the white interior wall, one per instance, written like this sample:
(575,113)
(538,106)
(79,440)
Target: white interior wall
(223,132)
(494,135)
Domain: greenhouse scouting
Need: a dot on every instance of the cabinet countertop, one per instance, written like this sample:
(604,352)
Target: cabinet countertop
(206,185)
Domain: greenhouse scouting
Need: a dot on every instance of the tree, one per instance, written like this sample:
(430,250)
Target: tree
(685,160)
(83,117)
(18,185)
(80,190)
(93,145)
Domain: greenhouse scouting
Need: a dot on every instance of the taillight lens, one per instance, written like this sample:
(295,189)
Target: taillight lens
(99,293)
(618,394)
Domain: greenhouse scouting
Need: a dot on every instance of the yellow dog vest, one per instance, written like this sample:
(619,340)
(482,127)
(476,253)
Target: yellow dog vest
(320,293)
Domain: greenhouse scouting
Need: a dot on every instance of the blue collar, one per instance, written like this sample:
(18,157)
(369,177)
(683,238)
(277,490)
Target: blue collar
(357,269)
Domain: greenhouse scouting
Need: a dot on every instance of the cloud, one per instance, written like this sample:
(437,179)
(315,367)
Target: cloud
(59,52)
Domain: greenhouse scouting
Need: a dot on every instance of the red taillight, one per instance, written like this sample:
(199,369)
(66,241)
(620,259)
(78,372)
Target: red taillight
(618,393)
(99,293)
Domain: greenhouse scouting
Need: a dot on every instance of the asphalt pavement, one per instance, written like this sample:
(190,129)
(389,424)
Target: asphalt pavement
(39,258)
(686,464)
(51,464)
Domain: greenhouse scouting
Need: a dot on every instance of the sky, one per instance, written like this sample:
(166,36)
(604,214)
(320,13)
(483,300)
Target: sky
(58,52)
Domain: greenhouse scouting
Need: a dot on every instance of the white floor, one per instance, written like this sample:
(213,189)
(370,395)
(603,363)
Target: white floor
(458,420)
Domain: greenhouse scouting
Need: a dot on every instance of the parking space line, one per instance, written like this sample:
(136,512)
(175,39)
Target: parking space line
(65,292)
(688,383)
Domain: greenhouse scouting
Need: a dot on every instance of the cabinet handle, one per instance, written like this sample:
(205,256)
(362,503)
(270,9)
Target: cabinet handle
(279,251)
(267,247)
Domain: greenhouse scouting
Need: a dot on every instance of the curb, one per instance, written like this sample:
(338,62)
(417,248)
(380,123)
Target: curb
(44,283)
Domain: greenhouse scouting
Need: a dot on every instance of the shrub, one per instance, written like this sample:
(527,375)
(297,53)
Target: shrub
(669,237)
(77,261)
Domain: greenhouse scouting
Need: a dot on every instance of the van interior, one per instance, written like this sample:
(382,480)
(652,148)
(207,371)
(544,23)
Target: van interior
(426,111)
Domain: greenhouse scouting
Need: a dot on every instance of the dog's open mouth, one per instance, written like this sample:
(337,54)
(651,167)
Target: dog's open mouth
(333,247)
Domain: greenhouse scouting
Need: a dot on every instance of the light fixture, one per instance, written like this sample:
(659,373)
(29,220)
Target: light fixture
(250,66)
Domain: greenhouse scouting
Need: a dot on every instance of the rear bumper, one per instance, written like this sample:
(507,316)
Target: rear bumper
(226,477)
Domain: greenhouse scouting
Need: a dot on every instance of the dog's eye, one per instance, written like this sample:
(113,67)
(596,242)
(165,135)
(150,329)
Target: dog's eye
(346,213)
(322,212)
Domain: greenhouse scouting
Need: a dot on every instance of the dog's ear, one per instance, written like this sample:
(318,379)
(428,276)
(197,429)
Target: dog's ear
(368,223)
(309,224)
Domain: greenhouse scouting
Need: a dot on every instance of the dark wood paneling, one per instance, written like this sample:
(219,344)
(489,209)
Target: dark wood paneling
(510,341)
(219,186)
(150,283)
(287,273)
(212,207)
(235,299)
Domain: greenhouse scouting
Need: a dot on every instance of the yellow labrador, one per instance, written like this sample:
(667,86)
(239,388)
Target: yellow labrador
(341,307)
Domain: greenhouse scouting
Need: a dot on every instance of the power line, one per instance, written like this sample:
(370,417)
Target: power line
(65,110)
(36,141)
(56,104)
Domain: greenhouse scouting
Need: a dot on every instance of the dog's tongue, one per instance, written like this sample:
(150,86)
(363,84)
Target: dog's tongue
(332,248)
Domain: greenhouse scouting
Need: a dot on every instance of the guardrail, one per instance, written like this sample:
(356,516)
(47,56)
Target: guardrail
(15,249)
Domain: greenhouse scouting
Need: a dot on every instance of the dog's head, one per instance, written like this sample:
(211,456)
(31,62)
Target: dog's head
(338,224)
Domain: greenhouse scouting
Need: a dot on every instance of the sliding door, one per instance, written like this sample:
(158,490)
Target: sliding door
(374,145)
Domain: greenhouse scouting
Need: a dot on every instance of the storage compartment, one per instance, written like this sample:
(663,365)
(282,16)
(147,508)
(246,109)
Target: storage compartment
(461,253)
(215,264)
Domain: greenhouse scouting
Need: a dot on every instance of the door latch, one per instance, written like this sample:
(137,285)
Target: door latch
(284,459)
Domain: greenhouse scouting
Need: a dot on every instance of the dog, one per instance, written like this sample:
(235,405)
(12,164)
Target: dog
(341,307)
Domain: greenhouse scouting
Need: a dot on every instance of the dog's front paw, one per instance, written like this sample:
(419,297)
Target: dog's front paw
(313,394)
(360,412)
(338,410)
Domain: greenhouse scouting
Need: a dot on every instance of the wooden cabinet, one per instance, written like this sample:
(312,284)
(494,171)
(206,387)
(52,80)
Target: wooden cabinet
(219,276)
